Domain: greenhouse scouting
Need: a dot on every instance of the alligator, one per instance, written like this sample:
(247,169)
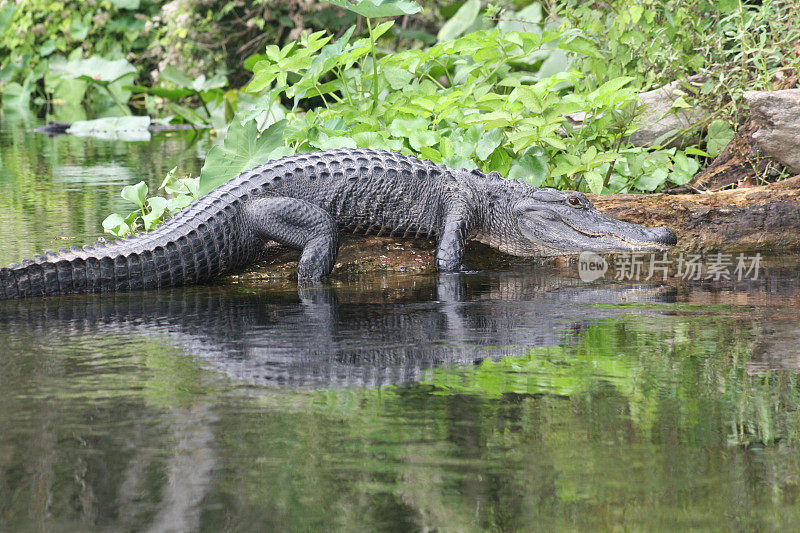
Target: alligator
(305,201)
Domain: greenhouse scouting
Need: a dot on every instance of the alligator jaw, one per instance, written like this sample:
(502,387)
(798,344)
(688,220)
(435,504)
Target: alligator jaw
(670,238)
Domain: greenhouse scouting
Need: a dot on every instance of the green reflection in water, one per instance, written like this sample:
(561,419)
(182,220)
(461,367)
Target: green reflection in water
(54,189)
(643,421)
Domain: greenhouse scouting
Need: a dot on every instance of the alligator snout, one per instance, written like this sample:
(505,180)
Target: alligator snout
(664,235)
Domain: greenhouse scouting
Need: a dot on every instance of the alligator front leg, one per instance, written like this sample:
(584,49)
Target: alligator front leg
(301,225)
(452,241)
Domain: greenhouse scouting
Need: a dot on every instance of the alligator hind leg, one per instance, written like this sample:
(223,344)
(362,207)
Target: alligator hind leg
(301,225)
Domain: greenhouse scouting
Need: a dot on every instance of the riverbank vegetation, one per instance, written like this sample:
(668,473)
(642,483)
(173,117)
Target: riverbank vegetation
(544,92)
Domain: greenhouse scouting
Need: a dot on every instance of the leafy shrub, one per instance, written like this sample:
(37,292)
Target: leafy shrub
(742,45)
(153,210)
(478,101)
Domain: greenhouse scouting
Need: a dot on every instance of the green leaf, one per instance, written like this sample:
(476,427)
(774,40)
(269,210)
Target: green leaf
(613,85)
(696,151)
(168,179)
(379,8)
(726,6)
(243,149)
(157,205)
(179,202)
(93,69)
(681,103)
(6,16)
(488,142)
(684,169)
(397,78)
(718,136)
(652,181)
(525,21)
(594,180)
(126,4)
(135,193)
(324,142)
(116,225)
(401,127)
(460,22)
(531,167)
(16,96)
(192,185)
(420,138)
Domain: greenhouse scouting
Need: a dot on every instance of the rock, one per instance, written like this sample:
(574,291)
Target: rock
(777,115)
(659,120)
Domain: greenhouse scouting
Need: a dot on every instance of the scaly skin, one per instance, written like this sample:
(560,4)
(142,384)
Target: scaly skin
(305,200)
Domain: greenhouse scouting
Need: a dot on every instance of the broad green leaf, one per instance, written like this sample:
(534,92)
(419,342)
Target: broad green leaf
(135,193)
(525,21)
(397,77)
(459,162)
(168,179)
(531,167)
(379,8)
(718,136)
(192,185)
(594,180)
(173,75)
(613,85)
(94,68)
(460,22)
(157,206)
(726,6)
(420,138)
(16,96)
(684,169)
(126,4)
(636,11)
(652,181)
(681,103)
(116,225)
(401,127)
(6,16)
(324,142)
(488,142)
(179,202)
(696,151)
(243,149)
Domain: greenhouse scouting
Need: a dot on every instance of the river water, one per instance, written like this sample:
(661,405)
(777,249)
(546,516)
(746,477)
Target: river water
(516,399)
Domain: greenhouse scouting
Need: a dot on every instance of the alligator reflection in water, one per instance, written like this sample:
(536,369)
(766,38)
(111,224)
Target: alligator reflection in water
(362,335)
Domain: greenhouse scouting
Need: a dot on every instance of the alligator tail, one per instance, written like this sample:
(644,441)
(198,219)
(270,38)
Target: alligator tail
(103,268)
(198,244)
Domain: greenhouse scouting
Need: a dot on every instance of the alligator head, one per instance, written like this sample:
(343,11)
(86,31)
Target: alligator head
(557,222)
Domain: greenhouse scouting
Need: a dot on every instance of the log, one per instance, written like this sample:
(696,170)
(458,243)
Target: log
(764,218)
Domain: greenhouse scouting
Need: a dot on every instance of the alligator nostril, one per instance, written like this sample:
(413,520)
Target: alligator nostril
(664,235)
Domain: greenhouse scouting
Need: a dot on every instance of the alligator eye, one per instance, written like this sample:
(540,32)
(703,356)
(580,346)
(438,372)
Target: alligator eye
(574,201)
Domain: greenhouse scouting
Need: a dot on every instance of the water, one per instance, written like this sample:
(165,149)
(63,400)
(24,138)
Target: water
(519,399)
